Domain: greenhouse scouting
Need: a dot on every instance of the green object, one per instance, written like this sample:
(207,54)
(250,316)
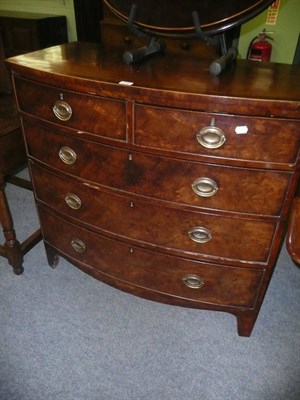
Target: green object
(285,32)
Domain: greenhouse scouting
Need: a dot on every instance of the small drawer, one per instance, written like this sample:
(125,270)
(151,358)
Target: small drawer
(188,233)
(201,185)
(85,113)
(264,140)
(120,263)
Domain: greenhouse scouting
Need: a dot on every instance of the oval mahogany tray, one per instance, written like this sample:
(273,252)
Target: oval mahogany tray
(169,17)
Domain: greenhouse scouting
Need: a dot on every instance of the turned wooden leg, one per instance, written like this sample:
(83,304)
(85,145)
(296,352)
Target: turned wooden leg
(12,247)
(293,232)
(52,256)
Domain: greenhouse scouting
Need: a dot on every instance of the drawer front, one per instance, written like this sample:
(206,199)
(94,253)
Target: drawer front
(149,270)
(192,234)
(265,140)
(200,185)
(85,113)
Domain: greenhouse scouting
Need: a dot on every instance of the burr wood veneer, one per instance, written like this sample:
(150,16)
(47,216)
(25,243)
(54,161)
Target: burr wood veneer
(159,179)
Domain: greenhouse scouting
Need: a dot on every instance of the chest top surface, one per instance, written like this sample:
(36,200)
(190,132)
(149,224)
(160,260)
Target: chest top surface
(168,79)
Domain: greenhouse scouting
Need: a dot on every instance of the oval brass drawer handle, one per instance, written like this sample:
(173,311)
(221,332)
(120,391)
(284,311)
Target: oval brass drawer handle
(73,201)
(204,187)
(193,281)
(211,137)
(62,110)
(67,155)
(78,245)
(200,234)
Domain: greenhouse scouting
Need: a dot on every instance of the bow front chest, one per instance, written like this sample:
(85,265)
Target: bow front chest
(158,178)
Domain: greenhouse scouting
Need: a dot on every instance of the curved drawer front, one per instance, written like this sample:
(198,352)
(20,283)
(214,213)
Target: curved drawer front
(85,113)
(190,183)
(192,234)
(244,138)
(169,275)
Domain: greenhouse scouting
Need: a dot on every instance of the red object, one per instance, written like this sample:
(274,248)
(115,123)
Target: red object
(260,49)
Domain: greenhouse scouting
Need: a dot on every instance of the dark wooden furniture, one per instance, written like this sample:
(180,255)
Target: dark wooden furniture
(158,178)
(12,159)
(23,31)
(88,15)
(5,84)
(115,33)
(178,17)
(293,233)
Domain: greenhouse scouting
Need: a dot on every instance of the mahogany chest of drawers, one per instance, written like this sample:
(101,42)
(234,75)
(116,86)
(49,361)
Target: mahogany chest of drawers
(159,179)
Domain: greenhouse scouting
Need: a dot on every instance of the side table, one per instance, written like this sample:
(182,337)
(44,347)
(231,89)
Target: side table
(12,159)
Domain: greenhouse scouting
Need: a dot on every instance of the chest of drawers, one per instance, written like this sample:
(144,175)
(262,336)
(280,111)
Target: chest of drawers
(158,179)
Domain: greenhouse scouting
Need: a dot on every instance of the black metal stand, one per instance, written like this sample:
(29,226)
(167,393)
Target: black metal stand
(157,45)
(219,65)
(228,56)
(154,46)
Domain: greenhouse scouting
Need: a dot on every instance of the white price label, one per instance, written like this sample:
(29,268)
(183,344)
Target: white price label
(125,83)
(241,130)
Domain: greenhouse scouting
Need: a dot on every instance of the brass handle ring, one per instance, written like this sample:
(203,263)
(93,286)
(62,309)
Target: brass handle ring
(211,137)
(67,155)
(200,234)
(204,187)
(62,110)
(193,281)
(73,201)
(78,245)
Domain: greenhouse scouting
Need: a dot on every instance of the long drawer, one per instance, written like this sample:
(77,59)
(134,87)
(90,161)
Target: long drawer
(84,113)
(185,279)
(191,234)
(200,185)
(266,140)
